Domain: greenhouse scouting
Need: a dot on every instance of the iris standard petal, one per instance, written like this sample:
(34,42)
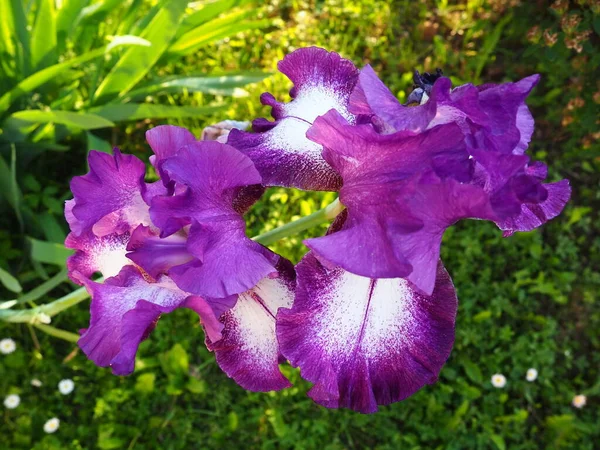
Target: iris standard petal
(225,261)
(282,153)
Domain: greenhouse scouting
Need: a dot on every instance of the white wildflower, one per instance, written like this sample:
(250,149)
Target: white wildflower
(35,382)
(498,380)
(531,375)
(7,346)
(66,386)
(12,401)
(52,425)
(579,401)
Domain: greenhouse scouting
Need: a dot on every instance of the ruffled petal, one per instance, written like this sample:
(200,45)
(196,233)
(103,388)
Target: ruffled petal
(109,198)
(282,153)
(365,342)
(225,261)
(165,141)
(535,215)
(124,311)
(106,254)
(248,351)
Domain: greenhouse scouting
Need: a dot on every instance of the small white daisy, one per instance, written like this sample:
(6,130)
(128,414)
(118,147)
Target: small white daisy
(531,375)
(12,401)
(52,425)
(66,386)
(7,346)
(498,380)
(35,382)
(579,401)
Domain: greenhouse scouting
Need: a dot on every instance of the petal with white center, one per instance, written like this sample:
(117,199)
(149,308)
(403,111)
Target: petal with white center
(281,151)
(365,342)
(248,351)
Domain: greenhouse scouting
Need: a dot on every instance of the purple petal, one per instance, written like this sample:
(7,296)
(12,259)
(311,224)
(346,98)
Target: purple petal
(109,198)
(155,255)
(365,342)
(534,215)
(106,254)
(165,141)
(226,261)
(248,351)
(124,311)
(281,151)
(209,312)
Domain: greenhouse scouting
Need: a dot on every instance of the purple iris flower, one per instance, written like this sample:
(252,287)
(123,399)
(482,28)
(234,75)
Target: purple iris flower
(178,242)
(368,314)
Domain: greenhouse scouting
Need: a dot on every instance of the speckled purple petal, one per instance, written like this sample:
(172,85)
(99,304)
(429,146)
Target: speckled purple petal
(248,351)
(109,198)
(124,311)
(93,254)
(365,342)
(226,261)
(280,150)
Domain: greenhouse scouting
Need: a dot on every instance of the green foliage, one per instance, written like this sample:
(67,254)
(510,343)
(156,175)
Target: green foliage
(525,301)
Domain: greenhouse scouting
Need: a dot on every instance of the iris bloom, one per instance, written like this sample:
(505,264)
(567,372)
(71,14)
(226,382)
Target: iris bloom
(368,314)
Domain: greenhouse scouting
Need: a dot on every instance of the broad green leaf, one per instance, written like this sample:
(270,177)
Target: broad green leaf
(19,20)
(127,39)
(95,143)
(84,121)
(8,42)
(208,11)
(9,282)
(66,15)
(219,85)
(49,252)
(137,61)
(213,31)
(8,185)
(43,35)
(50,73)
(140,111)
(51,228)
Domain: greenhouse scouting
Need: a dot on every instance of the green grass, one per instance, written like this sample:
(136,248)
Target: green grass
(525,301)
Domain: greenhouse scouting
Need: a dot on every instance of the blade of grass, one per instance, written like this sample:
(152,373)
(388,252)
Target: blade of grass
(43,35)
(140,111)
(85,121)
(57,333)
(137,61)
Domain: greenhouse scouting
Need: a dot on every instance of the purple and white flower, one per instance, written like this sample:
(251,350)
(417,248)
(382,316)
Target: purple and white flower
(368,314)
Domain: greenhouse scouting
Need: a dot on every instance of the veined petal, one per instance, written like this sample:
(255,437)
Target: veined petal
(106,254)
(365,342)
(109,198)
(124,311)
(282,153)
(248,351)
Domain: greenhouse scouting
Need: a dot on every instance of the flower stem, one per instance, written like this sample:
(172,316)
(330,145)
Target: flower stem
(323,215)
(50,309)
